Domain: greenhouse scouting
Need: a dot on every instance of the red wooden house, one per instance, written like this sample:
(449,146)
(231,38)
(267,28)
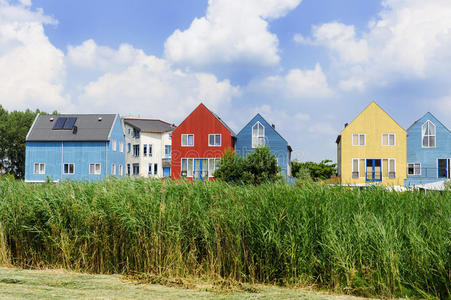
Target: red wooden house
(198,143)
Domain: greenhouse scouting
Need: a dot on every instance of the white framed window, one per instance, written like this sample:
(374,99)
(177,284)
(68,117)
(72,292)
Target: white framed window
(187,167)
(121,170)
(150,149)
(414,169)
(121,147)
(39,168)
(355,168)
(167,150)
(114,145)
(129,147)
(113,169)
(187,140)
(136,150)
(428,135)
(214,140)
(129,131)
(94,169)
(149,171)
(358,139)
(213,165)
(145,150)
(391,168)
(69,169)
(258,135)
(388,139)
(155,169)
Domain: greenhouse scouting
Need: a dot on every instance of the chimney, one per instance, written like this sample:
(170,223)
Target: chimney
(346,125)
(273,126)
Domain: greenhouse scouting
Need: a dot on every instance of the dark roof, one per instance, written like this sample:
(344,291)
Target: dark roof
(149,125)
(88,128)
(225,125)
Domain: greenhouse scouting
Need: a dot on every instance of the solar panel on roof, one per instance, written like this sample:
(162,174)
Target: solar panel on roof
(60,123)
(69,123)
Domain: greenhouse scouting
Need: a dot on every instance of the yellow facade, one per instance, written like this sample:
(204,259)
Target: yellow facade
(372,148)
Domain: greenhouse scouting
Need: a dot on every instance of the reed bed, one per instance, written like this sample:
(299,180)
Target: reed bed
(364,242)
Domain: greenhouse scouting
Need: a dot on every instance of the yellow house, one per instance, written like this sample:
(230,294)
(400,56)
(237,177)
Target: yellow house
(372,148)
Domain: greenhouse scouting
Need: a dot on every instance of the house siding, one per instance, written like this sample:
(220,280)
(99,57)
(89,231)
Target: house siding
(427,157)
(278,145)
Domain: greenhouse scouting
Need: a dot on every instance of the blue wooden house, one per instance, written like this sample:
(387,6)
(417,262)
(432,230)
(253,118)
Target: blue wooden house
(258,132)
(74,147)
(428,151)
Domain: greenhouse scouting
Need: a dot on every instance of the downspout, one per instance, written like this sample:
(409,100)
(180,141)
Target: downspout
(62,160)
(106,159)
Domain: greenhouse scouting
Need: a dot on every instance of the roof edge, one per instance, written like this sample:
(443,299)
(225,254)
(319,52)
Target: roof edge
(32,126)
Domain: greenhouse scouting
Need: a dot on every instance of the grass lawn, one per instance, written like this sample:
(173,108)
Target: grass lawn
(61,284)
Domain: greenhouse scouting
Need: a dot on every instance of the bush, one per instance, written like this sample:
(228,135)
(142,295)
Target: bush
(317,171)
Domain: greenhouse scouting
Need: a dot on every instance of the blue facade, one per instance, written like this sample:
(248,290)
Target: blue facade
(277,144)
(55,154)
(428,163)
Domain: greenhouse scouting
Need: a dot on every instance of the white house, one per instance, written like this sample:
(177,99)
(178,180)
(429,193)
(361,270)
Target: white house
(148,147)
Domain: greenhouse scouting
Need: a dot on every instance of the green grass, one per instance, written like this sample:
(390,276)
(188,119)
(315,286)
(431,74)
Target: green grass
(362,242)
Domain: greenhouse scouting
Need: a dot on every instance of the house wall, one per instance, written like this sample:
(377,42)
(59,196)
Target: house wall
(116,157)
(158,142)
(278,145)
(373,122)
(428,157)
(201,122)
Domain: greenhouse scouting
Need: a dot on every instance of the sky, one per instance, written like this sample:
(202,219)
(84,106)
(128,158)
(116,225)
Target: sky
(308,66)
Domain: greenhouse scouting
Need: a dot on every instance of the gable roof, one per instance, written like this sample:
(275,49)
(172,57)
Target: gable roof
(377,105)
(89,127)
(149,125)
(428,113)
(268,125)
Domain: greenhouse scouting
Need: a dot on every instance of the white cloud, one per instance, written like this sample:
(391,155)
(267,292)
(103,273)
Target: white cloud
(149,86)
(297,84)
(410,39)
(231,31)
(32,69)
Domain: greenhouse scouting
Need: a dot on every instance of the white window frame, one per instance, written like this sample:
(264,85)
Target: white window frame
(256,142)
(114,145)
(170,150)
(388,139)
(64,172)
(41,171)
(215,135)
(414,164)
(215,165)
(149,168)
(113,169)
(187,140)
(358,168)
(426,135)
(121,170)
(135,146)
(149,150)
(358,139)
(388,167)
(96,172)
(188,175)
(121,147)
(144,149)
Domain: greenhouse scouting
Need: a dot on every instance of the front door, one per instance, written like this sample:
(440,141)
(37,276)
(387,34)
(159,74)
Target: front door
(201,169)
(444,166)
(373,170)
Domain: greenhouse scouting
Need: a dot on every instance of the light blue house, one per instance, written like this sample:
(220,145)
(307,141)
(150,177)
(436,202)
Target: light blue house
(258,132)
(74,147)
(428,151)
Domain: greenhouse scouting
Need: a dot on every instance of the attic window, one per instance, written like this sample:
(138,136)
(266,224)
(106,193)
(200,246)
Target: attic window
(63,123)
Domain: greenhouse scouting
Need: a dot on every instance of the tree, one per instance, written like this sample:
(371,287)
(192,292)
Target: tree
(258,167)
(317,171)
(14,127)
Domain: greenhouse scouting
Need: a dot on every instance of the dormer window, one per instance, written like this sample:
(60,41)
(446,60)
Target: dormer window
(428,135)
(258,135)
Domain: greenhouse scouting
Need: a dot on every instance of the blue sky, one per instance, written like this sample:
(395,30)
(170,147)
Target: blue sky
(308,66)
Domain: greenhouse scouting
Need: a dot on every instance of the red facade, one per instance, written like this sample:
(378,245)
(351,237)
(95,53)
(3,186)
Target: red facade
(198,143)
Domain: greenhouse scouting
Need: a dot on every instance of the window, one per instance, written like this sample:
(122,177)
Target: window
(150,169)
(213,165)
(145,150)
(136,150)
(414,169)
(358,139)
(190,168)
(94,169)
(114,145)
(391,168)
(39,168)
(167,150)
(444,168)
(187,140)
(113,169)
(128,169)
(69,169)
(428,135)
(129,131)
(135,133)
(155,169)
(258,135)
(388,139)
(355,168)
(184,167)
(170,136)
(214,140)
(121,171)
(121,146)
(136,169)
(150,149)
(129,146)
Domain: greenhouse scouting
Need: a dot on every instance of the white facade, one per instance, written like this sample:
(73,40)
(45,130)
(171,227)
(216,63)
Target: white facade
(147,154)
